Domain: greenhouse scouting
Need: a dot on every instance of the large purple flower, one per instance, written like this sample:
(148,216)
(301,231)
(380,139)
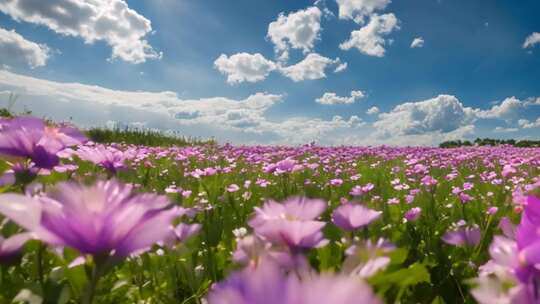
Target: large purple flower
(352,216)
(30,137)
(102,219)
(268,284)
(291,223)
(512,274)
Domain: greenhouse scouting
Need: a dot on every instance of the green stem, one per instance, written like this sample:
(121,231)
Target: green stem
(88,296)
(99,269)
(39,267)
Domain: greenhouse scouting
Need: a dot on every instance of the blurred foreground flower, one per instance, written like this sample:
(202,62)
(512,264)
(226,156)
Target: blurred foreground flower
(31,138)
(10,247)
(268,284)
(512,274)
(102,219)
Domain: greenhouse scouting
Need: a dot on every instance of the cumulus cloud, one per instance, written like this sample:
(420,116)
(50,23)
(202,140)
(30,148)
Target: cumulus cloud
(417,43)
(244,67)
(298,30)
(526,124)
(111,21)
(15,49)
(330,98)
(369,39)
(442,114)
(373,110)
(531,40)
(357,10)
(341,67)
(508,109)
(240,121)
(311,67)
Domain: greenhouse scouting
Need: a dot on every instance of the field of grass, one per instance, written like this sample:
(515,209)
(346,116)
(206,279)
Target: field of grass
(262,224)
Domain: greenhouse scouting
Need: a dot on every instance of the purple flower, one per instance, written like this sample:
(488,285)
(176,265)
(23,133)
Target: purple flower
(102,219)
(29,137)
(232,188)
(291,223)
(462,236)
(514,263)
(413,214)
(352,216)
(10,247)
(366,259)
(109,158)
(428,180)
(183,231)
(268,284)
(336,182)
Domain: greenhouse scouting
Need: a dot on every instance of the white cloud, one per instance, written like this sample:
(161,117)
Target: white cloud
(341,67)
(508,109)
(298,30)
(239,121)
(373,110)
(533,101)
(442,114)
(244,67)
(111,21)
(525,124)
(369,39)
(14,49)
(311,67)
(301,130)
(531,40)
(417,43)
(357,10)
(330,98)
(505,130)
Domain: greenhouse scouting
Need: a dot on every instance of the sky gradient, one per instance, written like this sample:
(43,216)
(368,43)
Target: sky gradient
(359,72)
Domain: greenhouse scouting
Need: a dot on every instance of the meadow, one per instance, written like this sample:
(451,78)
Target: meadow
(140,219)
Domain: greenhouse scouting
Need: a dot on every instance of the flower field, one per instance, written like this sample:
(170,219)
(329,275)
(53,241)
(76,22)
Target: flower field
(83,222)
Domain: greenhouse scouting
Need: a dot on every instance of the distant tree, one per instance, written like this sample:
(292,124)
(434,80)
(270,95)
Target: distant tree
(490,142)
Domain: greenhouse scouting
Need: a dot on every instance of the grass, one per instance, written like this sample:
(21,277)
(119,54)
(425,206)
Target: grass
(143,137)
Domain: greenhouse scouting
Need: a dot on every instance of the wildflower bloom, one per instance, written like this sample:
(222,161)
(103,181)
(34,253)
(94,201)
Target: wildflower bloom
(428,180)
(336,182)
(352,216)
(268,284)
(232,188)
(365,259)
(106,157)
(413,214)
(31,138)
(462,236)
(102,219)
(513,262)
(291,223)
(183,231)
(10,247)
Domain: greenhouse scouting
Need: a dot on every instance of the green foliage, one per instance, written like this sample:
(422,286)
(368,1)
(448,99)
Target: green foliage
(142,137)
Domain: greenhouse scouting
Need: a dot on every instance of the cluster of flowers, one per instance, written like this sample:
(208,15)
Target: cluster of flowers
(108,221)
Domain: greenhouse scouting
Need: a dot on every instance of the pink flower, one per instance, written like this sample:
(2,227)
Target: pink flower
(291,223)
(233,188)
(413,214)
(352,216)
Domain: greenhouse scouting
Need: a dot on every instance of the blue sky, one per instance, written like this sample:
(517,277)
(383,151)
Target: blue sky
(155,64)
